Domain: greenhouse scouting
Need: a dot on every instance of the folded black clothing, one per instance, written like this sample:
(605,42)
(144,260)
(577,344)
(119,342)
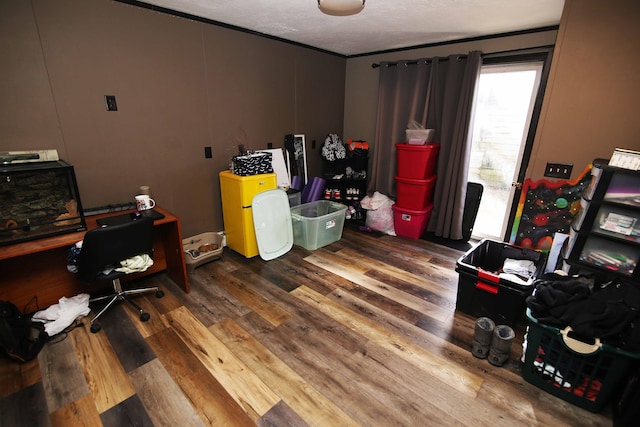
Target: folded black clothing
(608,311)
(554,292)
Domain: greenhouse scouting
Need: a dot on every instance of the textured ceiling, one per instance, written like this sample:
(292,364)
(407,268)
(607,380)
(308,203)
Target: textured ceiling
(382,25)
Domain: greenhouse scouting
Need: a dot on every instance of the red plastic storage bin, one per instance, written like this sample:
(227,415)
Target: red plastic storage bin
(409,222)
(414,194)
(417,161)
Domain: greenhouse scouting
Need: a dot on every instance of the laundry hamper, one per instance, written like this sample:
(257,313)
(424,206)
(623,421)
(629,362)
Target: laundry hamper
(580,371)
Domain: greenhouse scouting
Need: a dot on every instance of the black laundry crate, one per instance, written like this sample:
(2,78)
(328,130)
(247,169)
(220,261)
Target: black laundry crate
(481,292)
(584,372)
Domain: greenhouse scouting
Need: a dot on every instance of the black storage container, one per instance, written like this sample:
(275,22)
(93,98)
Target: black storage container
(38,200)
(481,292)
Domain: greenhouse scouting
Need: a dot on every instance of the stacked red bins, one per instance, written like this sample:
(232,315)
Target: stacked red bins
(414,187)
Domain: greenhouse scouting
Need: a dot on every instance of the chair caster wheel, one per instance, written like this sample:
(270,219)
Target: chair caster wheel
(95,328)
(145,316)
(159,294)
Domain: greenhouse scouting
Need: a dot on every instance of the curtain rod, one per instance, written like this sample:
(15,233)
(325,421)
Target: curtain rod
(484,55)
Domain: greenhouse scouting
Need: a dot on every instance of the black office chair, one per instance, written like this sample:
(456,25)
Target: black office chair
(471,206)
(103,249)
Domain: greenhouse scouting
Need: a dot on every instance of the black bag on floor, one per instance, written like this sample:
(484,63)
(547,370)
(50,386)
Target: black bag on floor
(20,338)
(626,407)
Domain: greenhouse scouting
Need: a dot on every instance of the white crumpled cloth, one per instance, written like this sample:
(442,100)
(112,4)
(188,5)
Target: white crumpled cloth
(135,264)
(521,267)
(518,271)
(59,316)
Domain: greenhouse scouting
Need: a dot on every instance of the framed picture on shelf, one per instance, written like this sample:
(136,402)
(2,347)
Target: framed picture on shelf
(296,157)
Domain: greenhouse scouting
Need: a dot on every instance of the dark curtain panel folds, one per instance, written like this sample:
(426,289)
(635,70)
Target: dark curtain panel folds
(438,93)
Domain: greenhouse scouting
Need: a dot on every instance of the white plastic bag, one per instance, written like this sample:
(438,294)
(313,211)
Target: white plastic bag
(379,213)
(417,135)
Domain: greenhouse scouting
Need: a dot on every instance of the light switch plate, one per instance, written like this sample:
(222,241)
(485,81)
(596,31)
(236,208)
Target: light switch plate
(110,101)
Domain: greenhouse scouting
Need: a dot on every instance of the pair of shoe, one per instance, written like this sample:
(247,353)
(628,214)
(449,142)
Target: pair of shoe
(492,342)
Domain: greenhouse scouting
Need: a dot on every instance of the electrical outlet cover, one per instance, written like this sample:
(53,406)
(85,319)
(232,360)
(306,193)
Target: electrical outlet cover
(110,101)
(558,170)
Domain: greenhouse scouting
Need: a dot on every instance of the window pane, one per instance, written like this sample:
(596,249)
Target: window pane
(504,102)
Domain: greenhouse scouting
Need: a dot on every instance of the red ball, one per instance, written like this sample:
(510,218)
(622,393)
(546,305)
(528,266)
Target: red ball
(540,219)
(527,243)
(545,243)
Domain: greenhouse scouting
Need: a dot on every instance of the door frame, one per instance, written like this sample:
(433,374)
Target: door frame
(544,55)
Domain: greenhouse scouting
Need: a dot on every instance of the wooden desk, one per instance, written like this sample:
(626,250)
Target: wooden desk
(38,268)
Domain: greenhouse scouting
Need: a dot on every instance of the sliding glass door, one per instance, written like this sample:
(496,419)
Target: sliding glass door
(507,103)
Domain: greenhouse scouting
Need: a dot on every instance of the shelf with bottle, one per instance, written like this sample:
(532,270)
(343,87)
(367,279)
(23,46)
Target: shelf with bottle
(345,191)
(606,234)
(350,197)
(617,222)
(608,255)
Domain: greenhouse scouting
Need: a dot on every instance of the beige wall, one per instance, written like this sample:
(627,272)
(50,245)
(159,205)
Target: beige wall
(591,104)
(180,85)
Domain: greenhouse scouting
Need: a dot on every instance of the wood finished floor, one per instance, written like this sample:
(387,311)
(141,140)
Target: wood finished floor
(361,332)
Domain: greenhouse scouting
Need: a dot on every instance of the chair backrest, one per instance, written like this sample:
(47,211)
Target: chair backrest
(471,206)
(109,245)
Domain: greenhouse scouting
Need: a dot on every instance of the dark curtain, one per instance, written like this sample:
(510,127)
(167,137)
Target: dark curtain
(438,93)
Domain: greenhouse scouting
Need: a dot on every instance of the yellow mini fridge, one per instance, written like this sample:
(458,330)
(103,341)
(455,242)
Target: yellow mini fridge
(237,195)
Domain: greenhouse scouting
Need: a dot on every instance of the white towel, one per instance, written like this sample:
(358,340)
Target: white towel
(136,264)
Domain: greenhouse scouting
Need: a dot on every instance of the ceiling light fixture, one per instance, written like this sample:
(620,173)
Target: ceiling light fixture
(341,7)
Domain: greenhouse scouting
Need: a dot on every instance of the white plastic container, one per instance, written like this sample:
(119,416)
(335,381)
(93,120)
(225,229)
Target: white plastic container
(318,223)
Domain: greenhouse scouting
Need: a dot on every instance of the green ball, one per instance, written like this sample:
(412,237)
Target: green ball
(562,203)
